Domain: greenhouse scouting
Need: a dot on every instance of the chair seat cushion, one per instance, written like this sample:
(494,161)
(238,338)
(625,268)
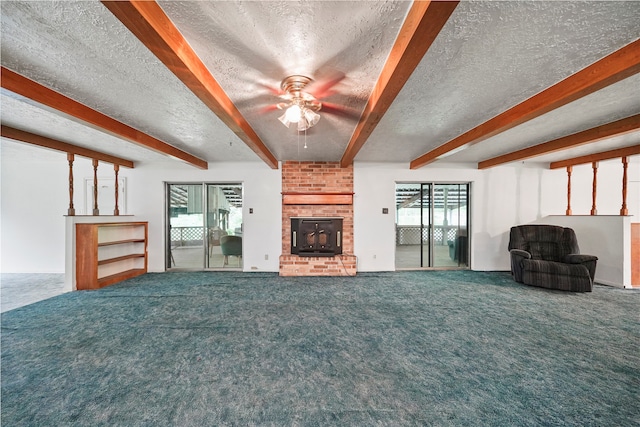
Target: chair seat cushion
(552,267)
(556,275)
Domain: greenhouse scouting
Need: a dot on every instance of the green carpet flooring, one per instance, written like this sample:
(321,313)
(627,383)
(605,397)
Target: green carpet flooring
(456,348)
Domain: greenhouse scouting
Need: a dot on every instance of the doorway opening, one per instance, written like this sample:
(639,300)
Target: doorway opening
(204,226)
(432,225)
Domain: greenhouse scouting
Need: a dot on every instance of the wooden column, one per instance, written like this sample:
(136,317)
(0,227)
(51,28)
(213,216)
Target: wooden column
(71,211)
(594,165)
(95,188)
(569,170)
(623,209)
(116,210)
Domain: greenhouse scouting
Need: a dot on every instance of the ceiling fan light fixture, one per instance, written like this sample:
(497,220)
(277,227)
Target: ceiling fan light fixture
(303,125)
(284,120)
(303,107)
(311,117)
(293,113)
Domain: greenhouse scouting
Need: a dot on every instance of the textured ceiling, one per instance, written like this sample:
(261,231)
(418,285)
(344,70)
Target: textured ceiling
(492,55)
(488,57)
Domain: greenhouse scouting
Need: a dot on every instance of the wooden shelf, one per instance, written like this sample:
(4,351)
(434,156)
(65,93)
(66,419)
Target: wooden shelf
(119,242)
(107,253)
(119,277)
(120,258)
(316,198)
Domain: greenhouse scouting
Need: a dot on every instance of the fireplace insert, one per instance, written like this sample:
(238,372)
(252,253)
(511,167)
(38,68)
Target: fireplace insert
(316,236)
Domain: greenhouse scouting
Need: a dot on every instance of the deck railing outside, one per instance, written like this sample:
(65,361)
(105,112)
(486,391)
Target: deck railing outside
(410,234)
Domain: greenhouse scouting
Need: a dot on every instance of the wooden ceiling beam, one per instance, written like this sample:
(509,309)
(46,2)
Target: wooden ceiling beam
(54,144)
(609,130)
(148,22)
(617,66)
(421,27)
(23,86)
(597,157)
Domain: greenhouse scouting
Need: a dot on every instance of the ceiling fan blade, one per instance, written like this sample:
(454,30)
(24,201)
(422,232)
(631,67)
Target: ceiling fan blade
(275,91)
(254,101)
(341,111)
(321,88)
(268,108)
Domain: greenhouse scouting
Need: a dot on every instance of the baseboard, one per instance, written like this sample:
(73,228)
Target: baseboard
(608,283)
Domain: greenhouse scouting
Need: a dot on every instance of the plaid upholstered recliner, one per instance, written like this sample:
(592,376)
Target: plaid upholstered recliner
(548,256)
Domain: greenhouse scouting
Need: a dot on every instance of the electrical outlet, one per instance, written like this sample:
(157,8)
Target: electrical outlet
(266,257)
(374,256)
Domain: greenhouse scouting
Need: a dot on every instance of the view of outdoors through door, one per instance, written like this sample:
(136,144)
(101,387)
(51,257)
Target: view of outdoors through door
(432,225)
(204,227)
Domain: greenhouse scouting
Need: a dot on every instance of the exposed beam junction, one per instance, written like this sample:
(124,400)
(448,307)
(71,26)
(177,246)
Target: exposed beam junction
(597,157)
(617,66)
(609,130)
(148,22)
(421,27)
(54,144)
(21,85)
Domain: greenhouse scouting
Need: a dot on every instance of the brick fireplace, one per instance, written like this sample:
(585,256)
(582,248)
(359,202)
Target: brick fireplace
(317,190)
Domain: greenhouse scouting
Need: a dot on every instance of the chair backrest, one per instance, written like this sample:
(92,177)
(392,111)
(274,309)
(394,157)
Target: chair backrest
(546,242)
(231,245)
(215,234)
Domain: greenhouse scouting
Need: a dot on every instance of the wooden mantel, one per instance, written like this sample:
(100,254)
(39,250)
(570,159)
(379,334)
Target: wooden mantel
(316,198)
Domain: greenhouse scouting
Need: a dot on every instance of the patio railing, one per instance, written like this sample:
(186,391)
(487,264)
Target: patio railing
(187,236)
(405,235)
(410,234)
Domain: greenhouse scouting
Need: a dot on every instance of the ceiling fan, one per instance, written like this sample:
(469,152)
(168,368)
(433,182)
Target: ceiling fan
(302,98)
(300,106)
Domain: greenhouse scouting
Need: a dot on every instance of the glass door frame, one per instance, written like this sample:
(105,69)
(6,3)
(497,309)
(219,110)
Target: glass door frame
(430,227)
(429,223)
(205,221)
(459,240)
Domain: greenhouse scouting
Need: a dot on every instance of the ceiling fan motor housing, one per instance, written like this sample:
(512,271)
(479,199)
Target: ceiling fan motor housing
(294,85)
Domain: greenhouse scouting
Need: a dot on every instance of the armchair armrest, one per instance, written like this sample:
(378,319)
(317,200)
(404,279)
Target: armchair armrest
(578,258)
(520,253)
(589,261)
(517,255)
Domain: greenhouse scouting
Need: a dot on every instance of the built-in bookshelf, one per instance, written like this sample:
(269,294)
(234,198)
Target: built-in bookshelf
(107,253)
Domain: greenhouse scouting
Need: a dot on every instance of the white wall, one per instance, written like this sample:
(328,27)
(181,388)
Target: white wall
(603,236)
(500,198)
(262,233)
(374,188)
(34,197)
(34,200)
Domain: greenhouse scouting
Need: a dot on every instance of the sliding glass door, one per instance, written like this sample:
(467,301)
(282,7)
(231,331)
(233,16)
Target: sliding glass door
(413,212)
(202,218)
(432,225)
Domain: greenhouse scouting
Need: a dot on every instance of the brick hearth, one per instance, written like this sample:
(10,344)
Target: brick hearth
(326,190)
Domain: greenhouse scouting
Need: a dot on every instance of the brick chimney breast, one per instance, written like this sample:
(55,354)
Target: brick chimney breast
(317,189)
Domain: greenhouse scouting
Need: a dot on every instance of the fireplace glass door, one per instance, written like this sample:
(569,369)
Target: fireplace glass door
(432,225)
(204,226)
